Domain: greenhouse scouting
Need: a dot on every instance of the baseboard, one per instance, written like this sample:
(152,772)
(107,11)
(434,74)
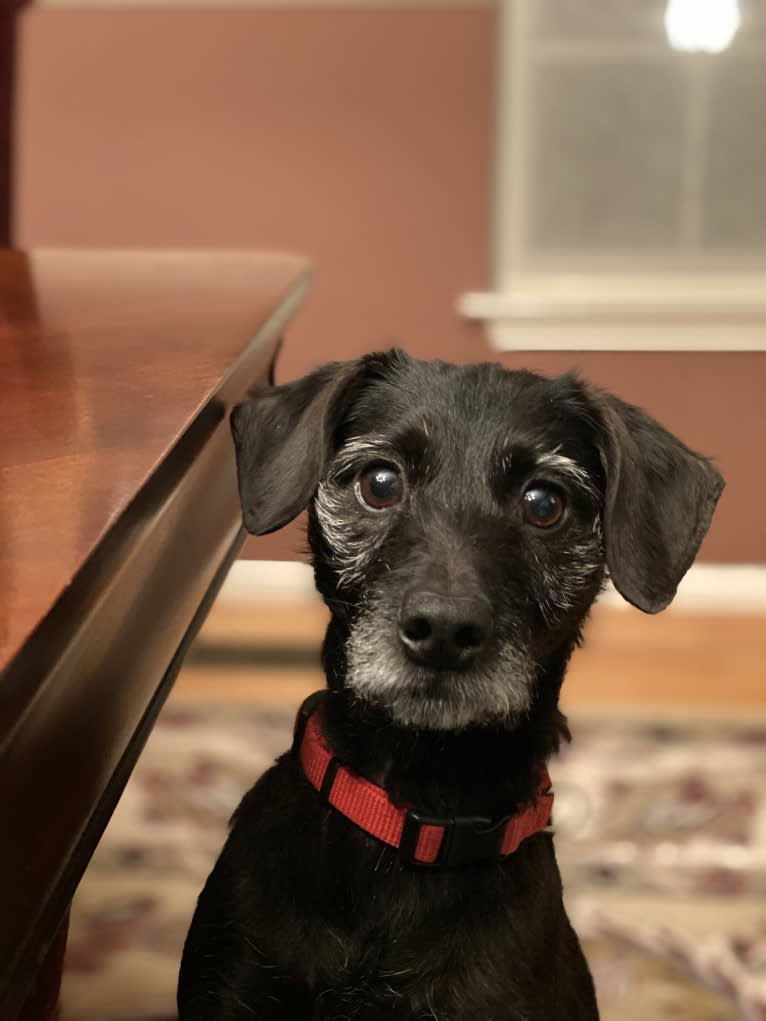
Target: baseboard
(268,581)
(707,588)
(713,588)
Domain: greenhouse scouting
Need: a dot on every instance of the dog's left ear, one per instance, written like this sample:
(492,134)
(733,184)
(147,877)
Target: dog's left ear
(282,437)
(660,498)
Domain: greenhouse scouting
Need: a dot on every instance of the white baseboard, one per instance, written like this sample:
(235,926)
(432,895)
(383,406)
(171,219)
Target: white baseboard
(268,581)
(713,588)
(707,588)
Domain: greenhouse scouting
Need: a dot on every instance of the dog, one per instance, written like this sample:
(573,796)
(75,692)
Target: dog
(397,864)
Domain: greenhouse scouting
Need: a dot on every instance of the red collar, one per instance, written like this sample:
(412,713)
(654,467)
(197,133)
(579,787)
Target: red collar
(422,840)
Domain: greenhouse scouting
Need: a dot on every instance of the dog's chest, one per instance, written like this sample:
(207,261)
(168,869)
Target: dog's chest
(424,946)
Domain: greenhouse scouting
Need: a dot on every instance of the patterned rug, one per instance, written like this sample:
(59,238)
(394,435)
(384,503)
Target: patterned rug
(661,836)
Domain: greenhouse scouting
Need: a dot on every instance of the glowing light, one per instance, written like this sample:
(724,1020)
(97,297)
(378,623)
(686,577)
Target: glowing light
(702,26)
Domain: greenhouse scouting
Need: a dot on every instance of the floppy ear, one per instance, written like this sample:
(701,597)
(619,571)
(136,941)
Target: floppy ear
(283,437)
(660,498)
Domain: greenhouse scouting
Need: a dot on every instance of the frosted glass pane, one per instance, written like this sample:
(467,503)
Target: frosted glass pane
(753,21)
(734,211)
(598,19)
(605,163)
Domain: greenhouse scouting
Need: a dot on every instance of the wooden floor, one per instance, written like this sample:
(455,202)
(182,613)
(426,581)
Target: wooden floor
(672,663)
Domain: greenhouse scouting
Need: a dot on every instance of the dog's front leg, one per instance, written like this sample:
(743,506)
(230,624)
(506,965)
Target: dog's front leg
(229,986)
(226,977)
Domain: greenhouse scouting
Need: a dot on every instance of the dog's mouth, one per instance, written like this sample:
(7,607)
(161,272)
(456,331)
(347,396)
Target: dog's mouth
(496,689)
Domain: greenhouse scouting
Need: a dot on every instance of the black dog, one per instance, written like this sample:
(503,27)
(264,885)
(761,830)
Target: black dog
(462,520)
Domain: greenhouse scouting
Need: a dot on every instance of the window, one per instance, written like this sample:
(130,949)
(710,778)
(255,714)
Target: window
(631,178)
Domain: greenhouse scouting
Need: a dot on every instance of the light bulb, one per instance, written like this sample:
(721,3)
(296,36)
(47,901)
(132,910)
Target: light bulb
(706,26)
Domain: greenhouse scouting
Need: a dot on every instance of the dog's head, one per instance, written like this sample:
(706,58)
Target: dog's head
(462,519)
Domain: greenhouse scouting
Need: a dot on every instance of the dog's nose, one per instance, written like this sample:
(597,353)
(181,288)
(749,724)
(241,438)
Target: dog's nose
(444,631)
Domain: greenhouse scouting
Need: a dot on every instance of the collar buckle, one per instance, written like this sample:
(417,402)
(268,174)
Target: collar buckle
(465,839)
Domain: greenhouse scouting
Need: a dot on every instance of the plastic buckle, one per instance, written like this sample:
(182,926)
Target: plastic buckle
(465,839)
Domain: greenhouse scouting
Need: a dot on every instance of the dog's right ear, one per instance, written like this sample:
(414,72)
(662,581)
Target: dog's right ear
(283,437)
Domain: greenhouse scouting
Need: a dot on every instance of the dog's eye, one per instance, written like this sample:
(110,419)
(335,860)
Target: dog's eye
(380,486)
(543,505)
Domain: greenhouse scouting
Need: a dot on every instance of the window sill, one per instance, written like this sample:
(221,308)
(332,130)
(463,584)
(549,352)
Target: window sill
(649,313)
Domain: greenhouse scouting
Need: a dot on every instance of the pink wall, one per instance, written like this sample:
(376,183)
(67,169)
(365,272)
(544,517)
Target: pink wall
(359,136)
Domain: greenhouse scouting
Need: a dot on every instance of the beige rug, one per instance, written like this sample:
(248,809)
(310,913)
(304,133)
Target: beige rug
(661,839)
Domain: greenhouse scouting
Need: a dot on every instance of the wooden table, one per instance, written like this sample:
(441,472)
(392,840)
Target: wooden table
(118,521)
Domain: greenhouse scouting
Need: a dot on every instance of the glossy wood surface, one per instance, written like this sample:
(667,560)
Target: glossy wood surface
(118,517)
(104,360)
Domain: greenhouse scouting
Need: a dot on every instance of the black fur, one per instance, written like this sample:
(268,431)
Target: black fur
(307,918)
